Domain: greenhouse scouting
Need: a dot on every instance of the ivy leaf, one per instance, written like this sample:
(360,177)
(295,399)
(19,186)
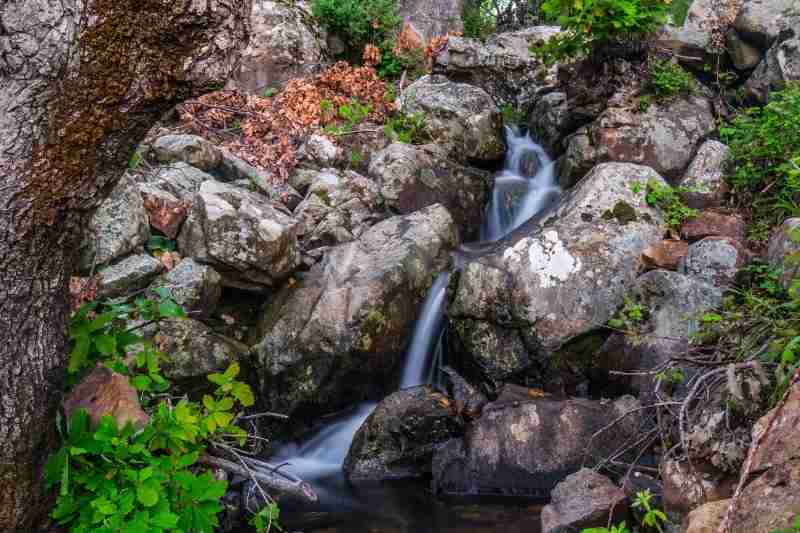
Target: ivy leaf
(148,493)
(79,356)
(243,393)
(141,383)
(106,344)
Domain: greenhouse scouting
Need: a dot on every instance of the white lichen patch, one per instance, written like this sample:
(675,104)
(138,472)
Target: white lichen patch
(551,260)
(521,431)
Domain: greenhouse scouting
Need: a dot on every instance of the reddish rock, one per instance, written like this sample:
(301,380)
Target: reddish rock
(688,487)
(713,224)
(667,254)
(166,212)
(104,392)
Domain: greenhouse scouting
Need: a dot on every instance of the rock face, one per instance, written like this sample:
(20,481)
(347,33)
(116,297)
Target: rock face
(710,223)
(744,55)
(715,260)
(688,487)
(462,117)
(695,37)
(338,208)
(550,122)
(248,239)
(128,276)
(432,19)
(584,499)
(190,149)
(504,66)
(760,21)
(526,448)
(707,518)
(780,66)
(345,326)
(196,287)
(118,226)
(784,250)
(549,284)
(414,177)
(664,138)
(286,43)
(399,437)
(667,254)
(705,177)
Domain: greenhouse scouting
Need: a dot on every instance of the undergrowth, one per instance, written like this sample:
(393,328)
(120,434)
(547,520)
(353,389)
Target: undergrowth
(479,19)
(669,200)
(668,79)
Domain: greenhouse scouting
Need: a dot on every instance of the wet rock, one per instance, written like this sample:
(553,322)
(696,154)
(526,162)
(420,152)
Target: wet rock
(710,223)
(104,392)
(399,437)
(246,238)
(194,286)
(503,66)
(286,43)
(707,518)
(462,117)
(553,282)
(338,208)
(744,55)
(128,276)
(664,137)
(118,226)
(190,149)
(195,350)
(705,177)
(687,487)
(760,21)
(550,122)
(432,19)
(715,260)
(784,250)
(584,499)
(414,177)
(469,401)
(666,254)
(344,327)
(780,67)
(527,448)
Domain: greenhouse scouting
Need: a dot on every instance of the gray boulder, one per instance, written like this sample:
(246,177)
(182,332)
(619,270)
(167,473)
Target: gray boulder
(285,43)
(190,149)
(743,55)
(462,117)
(784,250)
(584,499)
(550,122)
(399,437)
(694,41)
(196,287)
(552,282)
(503,66)
(344,327)
(128,276)
(705,177)
(526,448)
(118,227)
(760,21)
(665,138)
(780,67)
(714,260)
(249,240)
(414,177)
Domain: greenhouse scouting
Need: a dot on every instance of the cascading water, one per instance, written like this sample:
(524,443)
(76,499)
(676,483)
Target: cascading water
(524,188)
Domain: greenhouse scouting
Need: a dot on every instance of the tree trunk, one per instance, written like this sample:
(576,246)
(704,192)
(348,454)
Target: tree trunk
(81,81)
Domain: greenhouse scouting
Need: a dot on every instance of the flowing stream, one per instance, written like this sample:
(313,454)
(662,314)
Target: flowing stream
(524,188)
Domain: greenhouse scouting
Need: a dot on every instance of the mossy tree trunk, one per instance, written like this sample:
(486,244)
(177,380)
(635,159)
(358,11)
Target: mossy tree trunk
(81,81)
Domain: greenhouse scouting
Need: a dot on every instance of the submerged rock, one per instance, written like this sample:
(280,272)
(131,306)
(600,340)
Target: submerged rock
(344,327)
(526,448)
(462,117)
(584,499)
(399,437)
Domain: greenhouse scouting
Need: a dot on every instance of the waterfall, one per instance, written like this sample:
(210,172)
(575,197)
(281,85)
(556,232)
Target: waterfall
(522,189)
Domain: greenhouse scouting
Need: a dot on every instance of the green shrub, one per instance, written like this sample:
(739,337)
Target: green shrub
(346,116)
(409,129)
(587,24)
(668,79)
(479,19)
(680,8)
(765,156)
(668,199)
(358,22)
(392,64)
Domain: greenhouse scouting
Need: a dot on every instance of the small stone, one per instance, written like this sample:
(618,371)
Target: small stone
(190,149)
(196,287)
(584,499)
(666,254)
(715,260)
(128,276)
(713,224)
(705,177)
(165,211)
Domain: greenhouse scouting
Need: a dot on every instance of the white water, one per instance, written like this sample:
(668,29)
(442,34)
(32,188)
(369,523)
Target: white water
(518,195)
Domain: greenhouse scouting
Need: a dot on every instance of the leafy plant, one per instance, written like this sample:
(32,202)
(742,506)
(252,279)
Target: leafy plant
(795,528)
(512,115)
(679,10)
(668,79)
(269,92)
(653,518)
(409,129)
(621,528)
(136,160)
(479,19)
(588,24)
(158,244)
(358,22)
(630,317)
(668,199)
(394,62)
(348,116)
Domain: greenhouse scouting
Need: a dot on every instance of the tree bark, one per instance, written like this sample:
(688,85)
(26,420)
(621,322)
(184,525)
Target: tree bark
(81,81)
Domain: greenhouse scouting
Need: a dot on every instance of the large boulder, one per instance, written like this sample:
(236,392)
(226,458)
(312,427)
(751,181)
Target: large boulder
(432,19)
(344,327)
(715,260)
(780,66)
(664,137)
(503,66)
(552,282)
(414,177)
(550,122)
(694,41)
(399,437)
(338,208)
(196,287)
(784,250)
(584,499)
(526,448)
(249,240)
(462,117)
(285,43)
(761,21)
(704,180)
(118,227)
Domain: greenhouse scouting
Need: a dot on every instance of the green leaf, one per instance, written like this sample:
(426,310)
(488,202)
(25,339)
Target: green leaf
(79,356)
(148,493)
(141,383)
(243,393)
(106,344)
(232,371)
(209,403)
(170,309)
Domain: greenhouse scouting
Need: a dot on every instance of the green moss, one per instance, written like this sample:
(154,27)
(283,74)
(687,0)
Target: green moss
(623,212)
